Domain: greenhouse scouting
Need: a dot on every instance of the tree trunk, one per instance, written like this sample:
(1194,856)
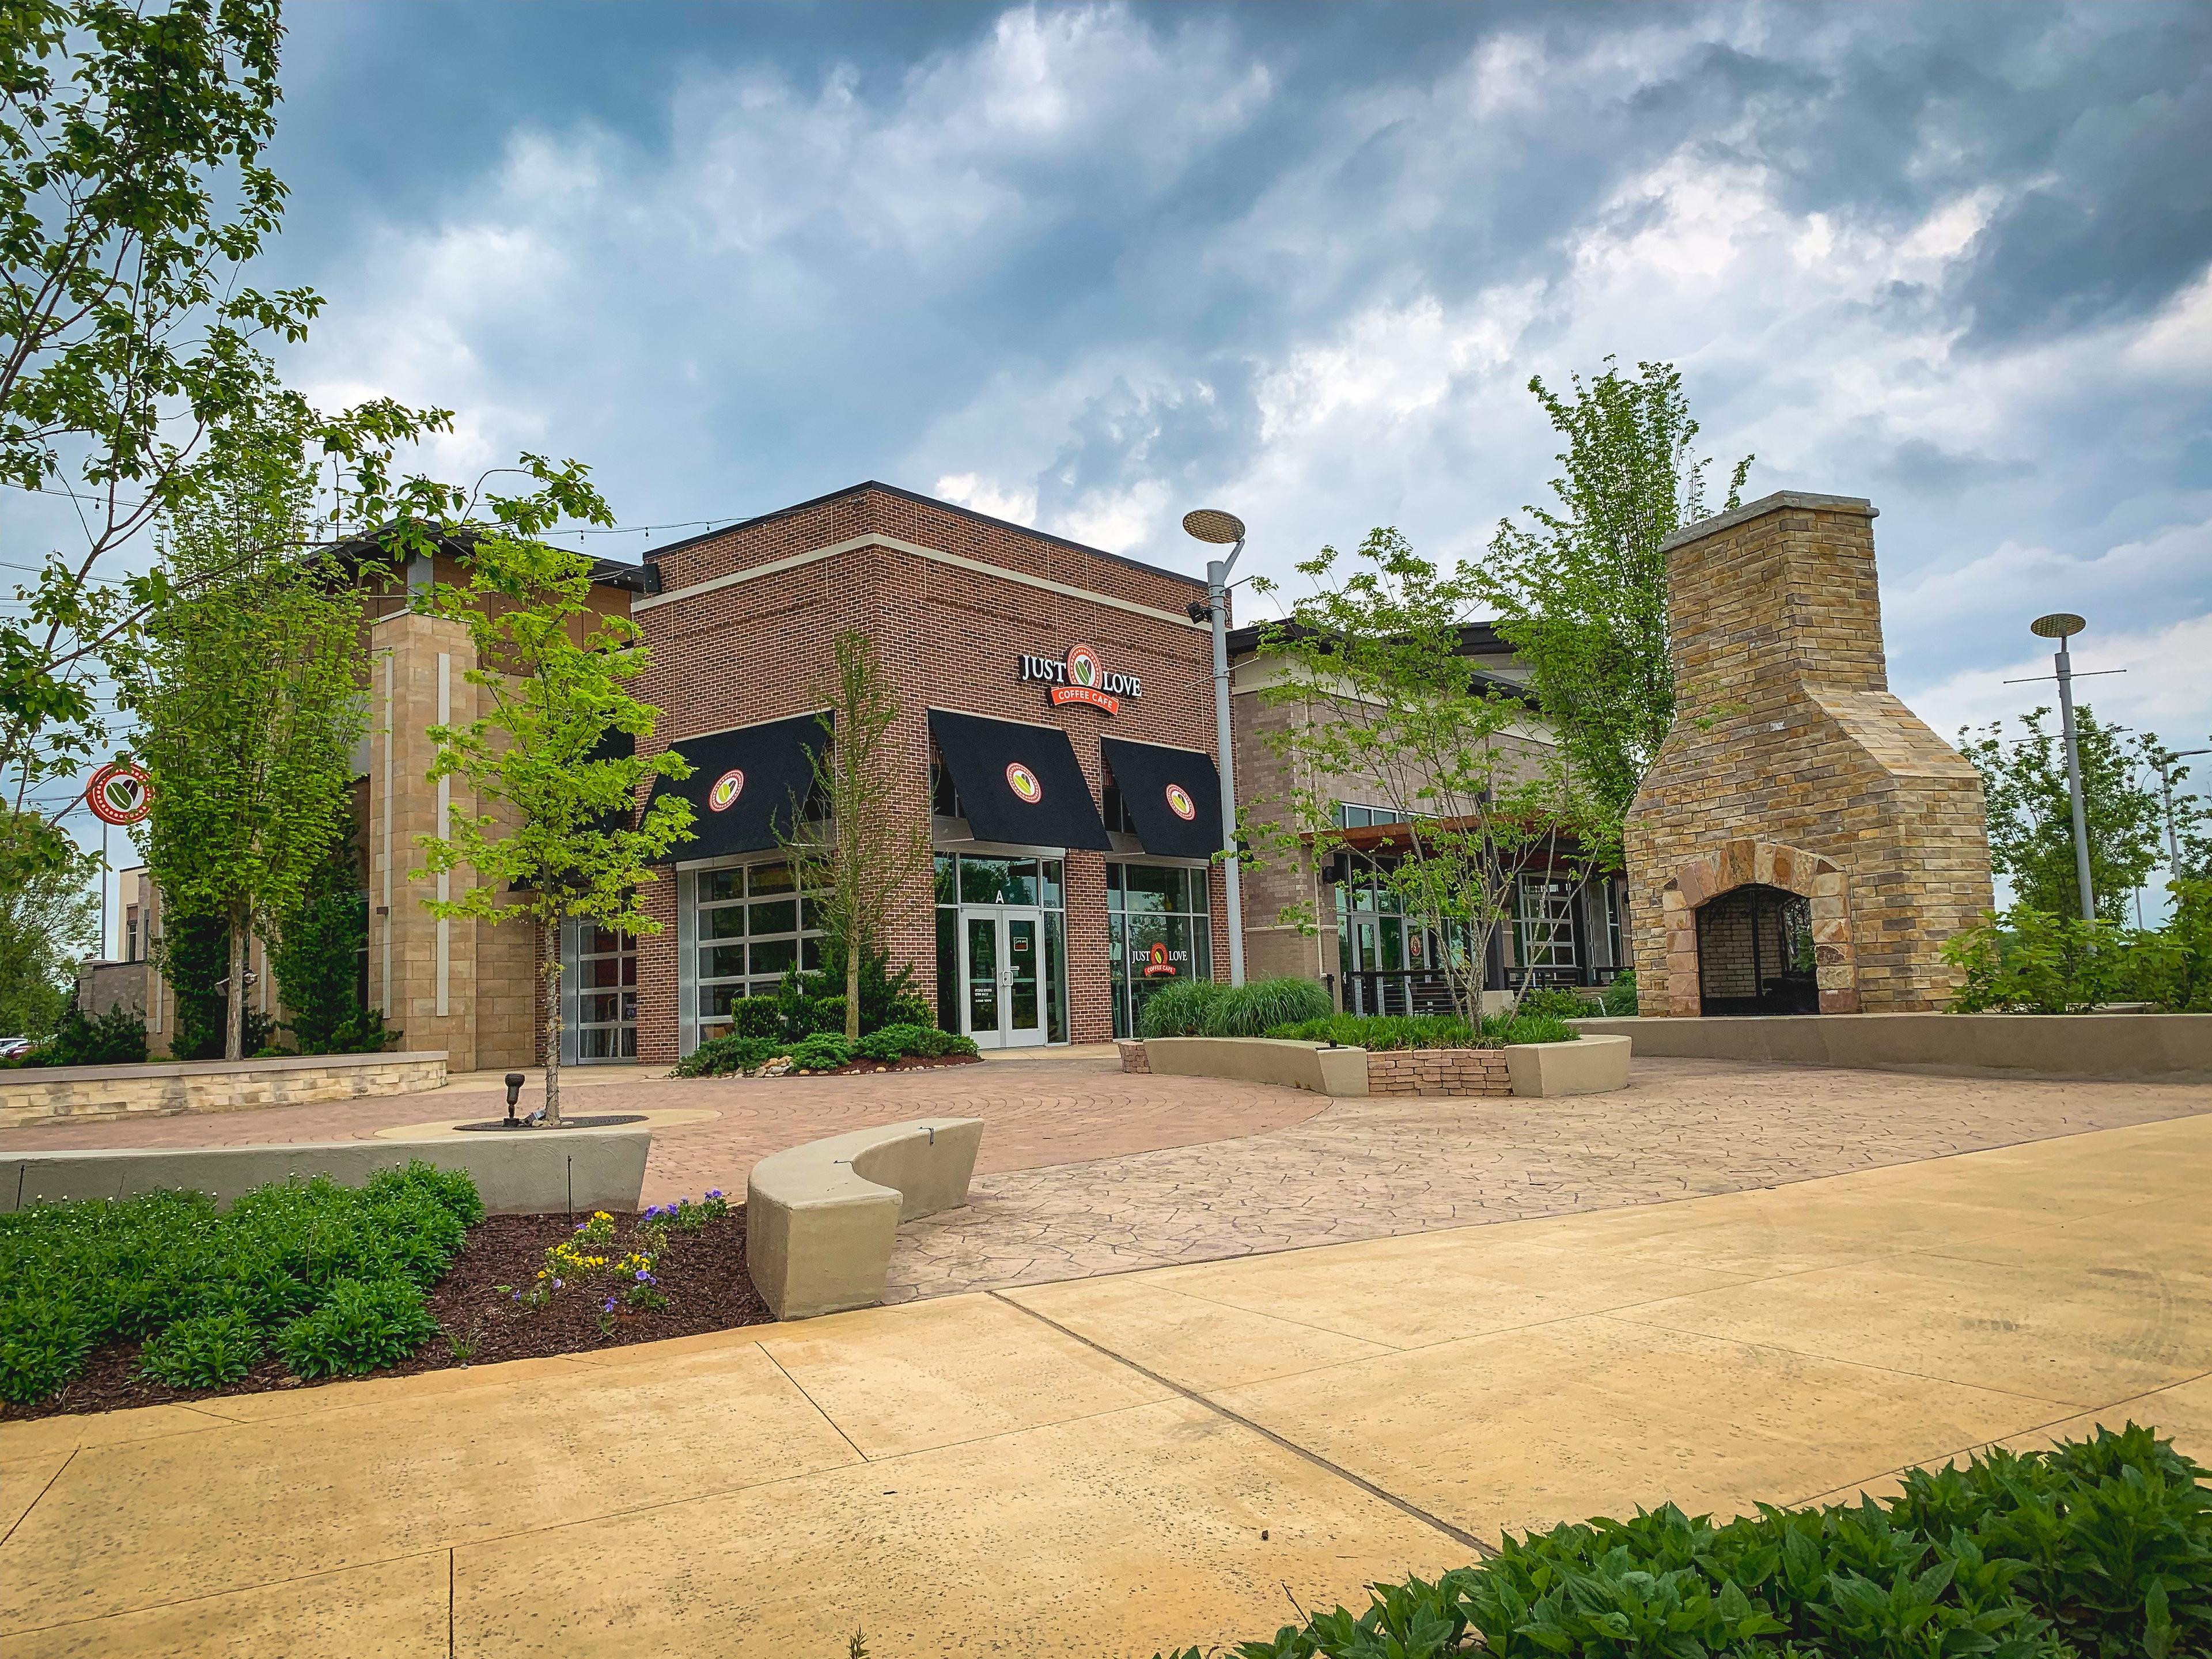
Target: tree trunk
(851,988)
(552,1118)
(233,1007)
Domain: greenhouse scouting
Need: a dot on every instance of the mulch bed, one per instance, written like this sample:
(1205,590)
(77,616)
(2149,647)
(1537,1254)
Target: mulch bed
(703,1274)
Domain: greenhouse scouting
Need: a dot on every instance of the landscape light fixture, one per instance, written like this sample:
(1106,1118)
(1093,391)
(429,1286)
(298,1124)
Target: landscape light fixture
(514,1094)
(1220,529)
(2062,625)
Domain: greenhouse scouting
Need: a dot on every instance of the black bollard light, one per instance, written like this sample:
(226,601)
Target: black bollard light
(514,1094)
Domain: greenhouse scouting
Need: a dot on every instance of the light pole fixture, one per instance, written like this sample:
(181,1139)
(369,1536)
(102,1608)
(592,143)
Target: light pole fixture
(1220,529)
(2061,625)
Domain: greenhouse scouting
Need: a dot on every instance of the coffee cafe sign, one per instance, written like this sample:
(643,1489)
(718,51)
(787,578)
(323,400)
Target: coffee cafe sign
(1080,679)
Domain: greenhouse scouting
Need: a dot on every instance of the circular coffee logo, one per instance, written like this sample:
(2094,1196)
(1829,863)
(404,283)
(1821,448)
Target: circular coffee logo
(1181,804)
(119,793)
(727,789)
(1083,666)
(1024,782)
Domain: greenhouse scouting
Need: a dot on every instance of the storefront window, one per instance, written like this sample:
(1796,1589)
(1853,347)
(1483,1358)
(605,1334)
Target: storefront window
(750,926)
(1156,931)
(600,982)
(983,890)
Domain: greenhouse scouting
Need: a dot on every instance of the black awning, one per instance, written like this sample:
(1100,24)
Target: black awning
(1018,783)
(1174,795)
(744,785)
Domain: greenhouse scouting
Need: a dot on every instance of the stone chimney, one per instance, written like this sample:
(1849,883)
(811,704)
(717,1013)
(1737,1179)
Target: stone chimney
(1803,839)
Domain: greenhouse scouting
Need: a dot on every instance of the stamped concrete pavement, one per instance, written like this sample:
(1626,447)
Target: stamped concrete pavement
(1125,1464)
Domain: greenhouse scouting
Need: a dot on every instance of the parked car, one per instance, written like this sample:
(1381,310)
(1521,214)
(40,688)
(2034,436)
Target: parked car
(11,1047)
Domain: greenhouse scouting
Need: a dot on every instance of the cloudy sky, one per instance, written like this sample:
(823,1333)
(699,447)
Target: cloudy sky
(1089,266)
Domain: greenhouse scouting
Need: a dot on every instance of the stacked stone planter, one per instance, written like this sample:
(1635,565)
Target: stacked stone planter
(1434,1072)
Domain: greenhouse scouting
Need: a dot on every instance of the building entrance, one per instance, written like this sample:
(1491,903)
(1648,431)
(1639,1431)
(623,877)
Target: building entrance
(1003,975)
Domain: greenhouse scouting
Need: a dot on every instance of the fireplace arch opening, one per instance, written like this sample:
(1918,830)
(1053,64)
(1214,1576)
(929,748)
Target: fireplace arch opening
(1755,952)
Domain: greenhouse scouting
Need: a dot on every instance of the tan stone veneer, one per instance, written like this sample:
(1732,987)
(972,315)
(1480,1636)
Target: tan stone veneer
(1792,765)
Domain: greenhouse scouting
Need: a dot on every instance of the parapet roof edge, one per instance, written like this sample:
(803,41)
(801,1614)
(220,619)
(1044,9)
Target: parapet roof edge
(1780,501)
(655,553)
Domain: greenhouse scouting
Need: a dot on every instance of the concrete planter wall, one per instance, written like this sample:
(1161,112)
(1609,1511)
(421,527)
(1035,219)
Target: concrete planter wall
(1590,1065)
(551,1172)
(1314,1066)
(49,1094)
(2151,1048)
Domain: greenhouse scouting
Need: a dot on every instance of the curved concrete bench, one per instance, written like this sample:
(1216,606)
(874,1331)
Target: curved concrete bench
(821,1218)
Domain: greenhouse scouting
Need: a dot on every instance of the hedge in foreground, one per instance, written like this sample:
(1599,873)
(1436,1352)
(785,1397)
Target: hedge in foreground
(2100,1549)
(823,1051)
(330,1277)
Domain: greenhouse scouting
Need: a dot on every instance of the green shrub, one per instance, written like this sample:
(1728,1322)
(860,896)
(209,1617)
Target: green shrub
(2172,968)
(821,1052)
(1556,1002)
(204,1351)
(2028,961)
(755,1017)
(725,1056)
(904,1009)
(964,1047)
(1388,1031)
(44,1340)
(1619,1000)
(889,1045)
(117,1037)
(360,1326)
(2100,1549)
(1178,1009)
(75,1276)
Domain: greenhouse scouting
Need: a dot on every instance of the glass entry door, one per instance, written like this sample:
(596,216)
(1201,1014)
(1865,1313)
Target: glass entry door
(1002,975)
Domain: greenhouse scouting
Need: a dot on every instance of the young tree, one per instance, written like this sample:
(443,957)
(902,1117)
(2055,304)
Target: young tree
(318,958)
(1377,691)
(876,846)
(2031,812)
(555,840)
(46,921)
(1581,594)
(246,688)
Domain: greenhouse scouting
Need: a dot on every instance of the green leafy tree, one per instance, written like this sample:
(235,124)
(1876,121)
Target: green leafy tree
(318,958)
(47,920)
(875,847)
(1374,689)
(2031,815)
(554,839)
(133,196)
(193,955)
(1580,592)
(246,687)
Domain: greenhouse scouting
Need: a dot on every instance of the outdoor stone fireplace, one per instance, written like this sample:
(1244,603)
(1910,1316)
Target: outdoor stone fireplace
(1803,843)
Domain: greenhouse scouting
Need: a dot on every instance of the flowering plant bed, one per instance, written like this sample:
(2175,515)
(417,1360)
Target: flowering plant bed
(491,1303)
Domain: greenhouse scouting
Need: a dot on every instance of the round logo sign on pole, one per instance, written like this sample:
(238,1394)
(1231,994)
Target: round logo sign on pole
(119,793)
(1024,782)
(727,789)
(1181,804)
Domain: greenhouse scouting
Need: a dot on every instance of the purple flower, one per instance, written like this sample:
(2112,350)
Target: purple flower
(644,1278)
(610,1306)
(557,1283)
(716,1193)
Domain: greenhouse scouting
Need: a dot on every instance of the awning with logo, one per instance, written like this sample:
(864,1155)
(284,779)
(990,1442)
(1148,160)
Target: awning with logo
(1017,783)
(743,785)
(1173,794)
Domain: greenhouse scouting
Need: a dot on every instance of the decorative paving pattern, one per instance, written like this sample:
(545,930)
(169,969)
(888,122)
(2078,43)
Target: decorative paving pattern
(1372,1168)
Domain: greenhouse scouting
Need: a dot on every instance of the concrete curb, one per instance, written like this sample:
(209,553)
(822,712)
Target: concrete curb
(2118,1047)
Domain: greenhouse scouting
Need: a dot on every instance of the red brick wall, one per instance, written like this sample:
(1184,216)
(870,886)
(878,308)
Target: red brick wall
(948,637)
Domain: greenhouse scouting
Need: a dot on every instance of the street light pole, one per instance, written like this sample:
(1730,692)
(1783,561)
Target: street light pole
(2060,626)
(1209,524)
(2165,790)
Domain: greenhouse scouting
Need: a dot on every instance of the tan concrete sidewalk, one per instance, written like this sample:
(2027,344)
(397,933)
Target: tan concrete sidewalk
(1115,1466)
